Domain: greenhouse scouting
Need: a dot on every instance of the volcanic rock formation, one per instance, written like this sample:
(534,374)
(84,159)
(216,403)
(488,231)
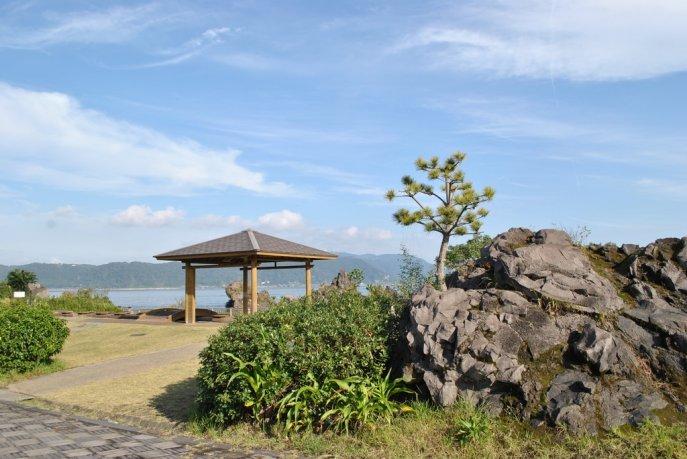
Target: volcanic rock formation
(588,338)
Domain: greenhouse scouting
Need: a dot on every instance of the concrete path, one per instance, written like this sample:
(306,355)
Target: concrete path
(105,370)
(32,432)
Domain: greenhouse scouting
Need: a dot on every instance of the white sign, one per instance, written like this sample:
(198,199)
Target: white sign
(20,294)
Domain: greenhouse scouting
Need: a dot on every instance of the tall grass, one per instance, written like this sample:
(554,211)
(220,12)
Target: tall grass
(83,300)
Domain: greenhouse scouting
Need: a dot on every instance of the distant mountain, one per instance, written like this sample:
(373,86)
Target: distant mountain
(377,268)
(390,263)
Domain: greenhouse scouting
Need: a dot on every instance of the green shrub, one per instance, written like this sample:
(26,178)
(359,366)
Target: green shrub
(343,405)
(29,336)
(334,336)
(84,300)
(472,425)
(356,402)
(5,290)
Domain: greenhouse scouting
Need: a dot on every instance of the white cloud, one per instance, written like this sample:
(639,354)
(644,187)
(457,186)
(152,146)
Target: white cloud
(590,40)
(282,220)
(60,214)
(6,192)
(351,231)
(114,25)
(63,212)
(670,188)
(367,234)
(511,118)
(142,215)
(249,61)
(191,48)
(220,221)
(83,149)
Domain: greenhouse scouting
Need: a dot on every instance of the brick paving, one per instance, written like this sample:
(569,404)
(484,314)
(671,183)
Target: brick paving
(32,432)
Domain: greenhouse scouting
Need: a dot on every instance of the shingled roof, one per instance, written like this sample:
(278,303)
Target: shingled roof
(245,243)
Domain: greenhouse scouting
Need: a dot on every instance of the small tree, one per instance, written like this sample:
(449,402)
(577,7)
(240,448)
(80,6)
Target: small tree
(411,277)
(19,279)
(357,276)
(458,213)
(457,255)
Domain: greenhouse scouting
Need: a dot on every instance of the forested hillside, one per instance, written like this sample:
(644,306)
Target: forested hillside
(377,268)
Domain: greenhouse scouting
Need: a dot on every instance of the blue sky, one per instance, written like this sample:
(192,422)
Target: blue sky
(131,128)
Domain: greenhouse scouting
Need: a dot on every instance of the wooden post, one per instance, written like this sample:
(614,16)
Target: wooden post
(308,279)
(254,285)
(245,290)
(190,295)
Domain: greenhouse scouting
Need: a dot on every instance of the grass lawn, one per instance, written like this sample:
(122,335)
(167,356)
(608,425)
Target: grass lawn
(42,369)
(162,396)
(93,342)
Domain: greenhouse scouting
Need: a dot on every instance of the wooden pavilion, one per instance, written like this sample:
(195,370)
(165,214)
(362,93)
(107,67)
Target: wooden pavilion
(249,250)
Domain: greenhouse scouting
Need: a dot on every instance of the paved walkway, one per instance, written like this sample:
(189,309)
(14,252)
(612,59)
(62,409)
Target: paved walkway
(32,432)
(105,370)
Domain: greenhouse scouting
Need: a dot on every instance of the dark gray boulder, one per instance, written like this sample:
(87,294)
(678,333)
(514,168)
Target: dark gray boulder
(628,249)
(604,352)
(625,402)
(570,402)
(547,264)
(533,326)
(681,255)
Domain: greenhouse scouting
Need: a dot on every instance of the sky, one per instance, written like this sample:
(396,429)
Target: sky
(131,128)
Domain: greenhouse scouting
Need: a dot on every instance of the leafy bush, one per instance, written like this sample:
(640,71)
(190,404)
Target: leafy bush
(29,336)
(459,254)
(340,404)
(334,336)
(355,401)
(84,300)
(5,290)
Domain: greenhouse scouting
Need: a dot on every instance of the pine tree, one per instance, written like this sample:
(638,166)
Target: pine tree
(459,211)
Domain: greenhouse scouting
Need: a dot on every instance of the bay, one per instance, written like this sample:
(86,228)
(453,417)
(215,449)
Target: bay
(151,298)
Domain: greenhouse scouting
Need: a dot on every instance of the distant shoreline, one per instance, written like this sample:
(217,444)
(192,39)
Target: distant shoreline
(180,287)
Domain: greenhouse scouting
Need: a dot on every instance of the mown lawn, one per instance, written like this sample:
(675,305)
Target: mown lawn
(162,396)
(7,378)
(92,342)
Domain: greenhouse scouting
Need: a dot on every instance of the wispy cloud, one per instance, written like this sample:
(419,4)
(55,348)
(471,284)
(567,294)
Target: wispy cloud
(113,25)
(509,118)
(251,61)
(142,215)
(220,221)
(670,188)
(583,40)
(86,150)
(573,140)
(370,234)
(192,48)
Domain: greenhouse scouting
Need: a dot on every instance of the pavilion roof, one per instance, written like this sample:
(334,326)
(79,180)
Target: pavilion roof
(245,244)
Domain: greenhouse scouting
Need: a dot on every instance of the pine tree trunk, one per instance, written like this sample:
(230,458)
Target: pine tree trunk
(441,262)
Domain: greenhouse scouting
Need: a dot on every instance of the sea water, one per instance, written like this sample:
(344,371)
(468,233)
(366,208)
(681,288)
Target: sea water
(151,298)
